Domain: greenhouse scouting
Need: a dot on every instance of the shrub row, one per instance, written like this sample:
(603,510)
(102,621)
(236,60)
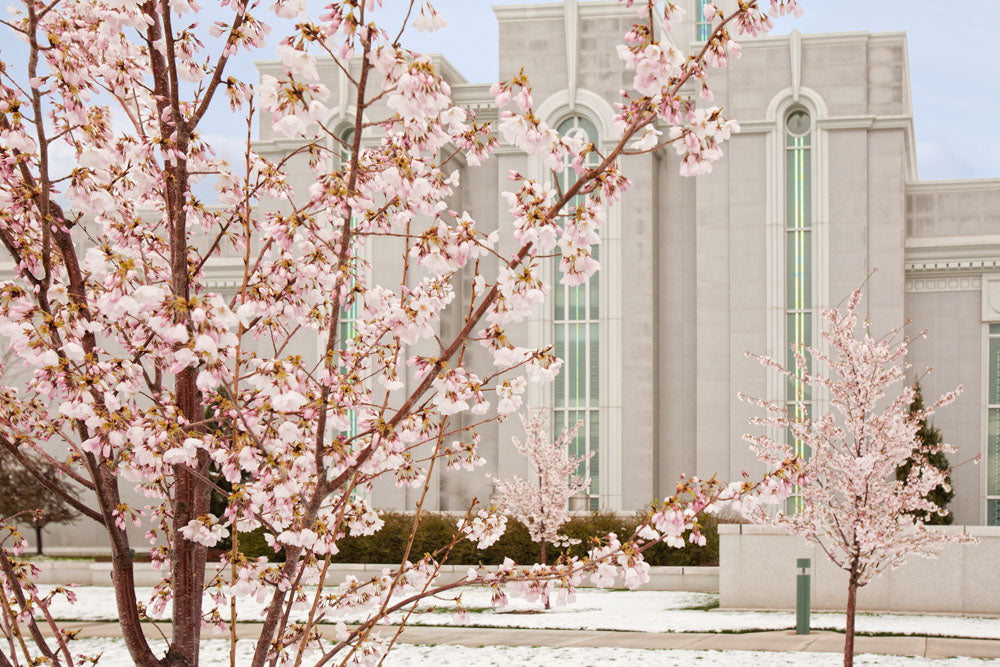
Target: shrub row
(436,530)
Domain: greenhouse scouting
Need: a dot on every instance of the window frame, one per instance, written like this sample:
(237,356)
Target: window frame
(590,410)
(992,374)
(798,397)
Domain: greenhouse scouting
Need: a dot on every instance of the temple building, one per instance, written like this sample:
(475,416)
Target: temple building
(818,190)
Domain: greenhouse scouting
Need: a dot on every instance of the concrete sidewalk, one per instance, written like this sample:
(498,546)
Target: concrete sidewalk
(776,640)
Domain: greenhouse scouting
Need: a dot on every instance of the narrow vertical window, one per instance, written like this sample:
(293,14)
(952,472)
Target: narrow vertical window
(703,27)
(993,430)
(576,321)
(798,270)
(347,322)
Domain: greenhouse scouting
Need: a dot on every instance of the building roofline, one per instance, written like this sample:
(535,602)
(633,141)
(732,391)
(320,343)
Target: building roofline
(847,37)
(953,185)
(556,10)
(451,73)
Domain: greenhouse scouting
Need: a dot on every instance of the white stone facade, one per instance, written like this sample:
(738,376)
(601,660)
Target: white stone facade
(694,270)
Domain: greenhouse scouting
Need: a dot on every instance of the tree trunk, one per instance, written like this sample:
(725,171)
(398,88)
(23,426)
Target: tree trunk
(38,539)
(852,603)
(547,606)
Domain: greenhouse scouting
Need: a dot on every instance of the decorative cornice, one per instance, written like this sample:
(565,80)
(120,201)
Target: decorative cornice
(549,11)
(222,272)
(944,283)
(952,255)
(956,185)
(757,126)
(827,39)
(474,96)
(276,145)
(861,122)
(867,122)
(952,266)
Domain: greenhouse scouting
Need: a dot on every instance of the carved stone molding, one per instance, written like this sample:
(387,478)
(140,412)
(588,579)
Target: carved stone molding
(944,284)
(991,297)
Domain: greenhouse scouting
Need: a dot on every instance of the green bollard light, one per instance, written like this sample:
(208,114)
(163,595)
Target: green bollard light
(802,597)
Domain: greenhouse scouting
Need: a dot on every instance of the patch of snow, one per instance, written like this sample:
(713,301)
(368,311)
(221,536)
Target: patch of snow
(646,611)
(215,653)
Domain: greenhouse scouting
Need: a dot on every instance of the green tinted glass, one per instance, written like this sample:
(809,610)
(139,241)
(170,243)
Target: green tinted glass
(993,453)
(704,27)
(344,149)
(798,186)
(595,287)
(559,385)
(798,333)
(594,435)
(798,270)
(594,367)
(559,302)
(994,361)
(993,512)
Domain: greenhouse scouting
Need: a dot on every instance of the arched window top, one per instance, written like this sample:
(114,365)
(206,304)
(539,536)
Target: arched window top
(578,122)
(343,149)
(798,123)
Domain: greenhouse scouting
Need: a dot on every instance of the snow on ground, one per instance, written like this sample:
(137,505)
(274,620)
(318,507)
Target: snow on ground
(215,653)
(649,611)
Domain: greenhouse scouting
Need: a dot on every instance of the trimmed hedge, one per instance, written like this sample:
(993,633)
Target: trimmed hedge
(436,530)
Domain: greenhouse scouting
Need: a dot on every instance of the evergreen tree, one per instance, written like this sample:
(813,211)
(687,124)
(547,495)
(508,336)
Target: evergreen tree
(929,449)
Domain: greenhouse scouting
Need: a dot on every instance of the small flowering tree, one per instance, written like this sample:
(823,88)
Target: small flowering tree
(26,491)
(542,504)
(145,379)
(853,506)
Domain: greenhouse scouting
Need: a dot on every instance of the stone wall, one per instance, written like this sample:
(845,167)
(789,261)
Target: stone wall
(87,573)
(953,208)
(757,570)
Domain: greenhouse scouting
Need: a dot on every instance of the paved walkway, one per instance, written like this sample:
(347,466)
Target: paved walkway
(775,640)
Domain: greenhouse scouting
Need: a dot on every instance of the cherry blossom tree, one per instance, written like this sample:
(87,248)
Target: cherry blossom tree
(143,379)
(852,506)
(542,504)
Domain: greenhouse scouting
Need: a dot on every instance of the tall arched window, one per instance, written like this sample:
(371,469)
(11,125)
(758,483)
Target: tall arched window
(576,320)
(798,267)
(348,315)
(347,322)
